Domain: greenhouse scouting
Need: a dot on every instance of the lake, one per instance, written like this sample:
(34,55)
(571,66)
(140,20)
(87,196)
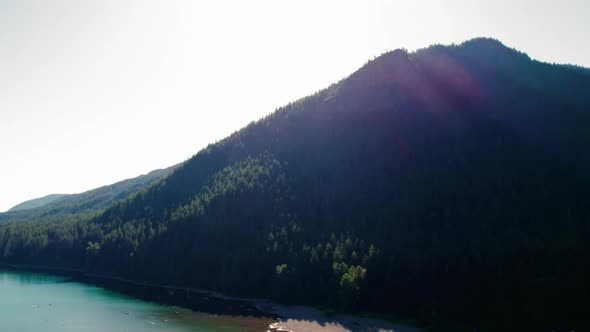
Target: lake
(41,302)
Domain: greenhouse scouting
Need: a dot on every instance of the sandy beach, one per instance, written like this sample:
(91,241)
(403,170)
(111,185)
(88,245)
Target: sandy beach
(307,319)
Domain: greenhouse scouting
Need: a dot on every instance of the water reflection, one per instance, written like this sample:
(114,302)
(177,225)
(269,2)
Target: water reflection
(32,301)
(27,277)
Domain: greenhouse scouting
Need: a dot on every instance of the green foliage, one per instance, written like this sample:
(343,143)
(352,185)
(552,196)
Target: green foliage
(350,281)
(93,248)
(340,269)
(281,269)
(352,278)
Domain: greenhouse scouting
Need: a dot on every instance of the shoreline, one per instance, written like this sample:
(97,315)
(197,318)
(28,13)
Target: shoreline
(309,319)
(196,299)
(288,318)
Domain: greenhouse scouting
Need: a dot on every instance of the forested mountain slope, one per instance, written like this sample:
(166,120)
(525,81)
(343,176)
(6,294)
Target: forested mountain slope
(449,184)
(89,203)
(37,202)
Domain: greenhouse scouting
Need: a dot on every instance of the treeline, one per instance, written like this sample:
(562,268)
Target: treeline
(86,203)
(423,184)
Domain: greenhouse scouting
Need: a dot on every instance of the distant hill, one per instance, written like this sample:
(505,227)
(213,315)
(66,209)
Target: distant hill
(449,184)
(37,202)
(88,203)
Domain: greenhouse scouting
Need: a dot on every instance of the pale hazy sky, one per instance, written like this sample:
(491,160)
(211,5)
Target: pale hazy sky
(93,92)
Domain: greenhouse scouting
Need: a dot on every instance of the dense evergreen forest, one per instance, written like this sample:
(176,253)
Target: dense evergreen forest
(449,184)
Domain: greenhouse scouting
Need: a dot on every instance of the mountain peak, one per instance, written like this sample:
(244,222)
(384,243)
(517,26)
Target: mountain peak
(485,42)
(490,48)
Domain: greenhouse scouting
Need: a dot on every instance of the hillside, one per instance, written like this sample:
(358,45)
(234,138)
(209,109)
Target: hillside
(87,203)
(448,184)
(37,202)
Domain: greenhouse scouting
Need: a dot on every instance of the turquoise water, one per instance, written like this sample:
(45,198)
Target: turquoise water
(40,302)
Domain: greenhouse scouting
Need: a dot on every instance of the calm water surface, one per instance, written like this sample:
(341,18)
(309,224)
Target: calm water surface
(40,302)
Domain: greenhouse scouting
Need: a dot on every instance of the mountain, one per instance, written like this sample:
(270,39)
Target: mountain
(448,184)
(88,203)
(37,202)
